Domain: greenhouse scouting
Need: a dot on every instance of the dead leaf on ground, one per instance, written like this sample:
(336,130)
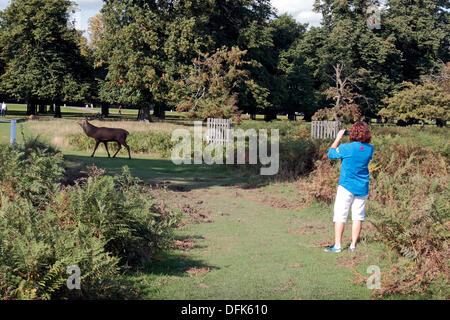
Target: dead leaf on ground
(353,260)
(184,245)
(196,271)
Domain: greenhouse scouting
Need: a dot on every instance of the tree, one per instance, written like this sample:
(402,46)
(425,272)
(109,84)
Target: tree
(210,89)
(413,37)
(282,80)
(257,40)
(96,29)
(43,62)
(422,31)
(426,101)
(297,93)
(346,96)
(344,38)
(145,47)
(344,92)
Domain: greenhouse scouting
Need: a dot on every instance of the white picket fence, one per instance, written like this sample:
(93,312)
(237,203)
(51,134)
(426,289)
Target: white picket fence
(218,131)
(325,129)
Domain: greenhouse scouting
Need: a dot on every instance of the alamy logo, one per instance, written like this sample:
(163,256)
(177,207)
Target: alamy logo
(214,153)
(374,19)
(74,281)
(374,281)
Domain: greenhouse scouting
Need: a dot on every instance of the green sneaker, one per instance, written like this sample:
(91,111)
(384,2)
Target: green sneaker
(333,249)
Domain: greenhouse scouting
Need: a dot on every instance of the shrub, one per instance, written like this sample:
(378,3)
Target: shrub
(297,157)
(98,224)
(321,183)
(120,210)
(409,205)
(420,102)
(28,173)
(139,142)
(290,129)
(411,217)
(37,245)
(298,152)
(348,113)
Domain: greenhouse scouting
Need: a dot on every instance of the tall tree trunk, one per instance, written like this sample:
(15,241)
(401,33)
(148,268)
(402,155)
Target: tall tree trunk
(270,115)
(105,109)
(51,108)
(42,108)
(441,123)
(58,111)
(292,116)
(144,114)
(253,116)
(160,111)
(31,108)
(307,116)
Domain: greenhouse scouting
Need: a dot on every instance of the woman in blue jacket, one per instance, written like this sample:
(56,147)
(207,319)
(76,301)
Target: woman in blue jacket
(353,189)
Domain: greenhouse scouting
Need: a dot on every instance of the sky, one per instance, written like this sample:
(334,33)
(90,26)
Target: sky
(301,10)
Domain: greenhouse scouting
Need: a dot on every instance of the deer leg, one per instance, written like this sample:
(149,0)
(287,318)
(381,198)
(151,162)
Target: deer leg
(95,149)
(106,147)
(120,147)
(128,148)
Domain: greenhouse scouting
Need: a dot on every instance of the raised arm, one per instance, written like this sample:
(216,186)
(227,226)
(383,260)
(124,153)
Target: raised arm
(339,137)
(333,153)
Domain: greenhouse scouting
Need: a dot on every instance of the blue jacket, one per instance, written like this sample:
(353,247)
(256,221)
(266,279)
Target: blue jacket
(355,166)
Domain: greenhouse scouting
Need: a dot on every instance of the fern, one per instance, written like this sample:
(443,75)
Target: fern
(95,225)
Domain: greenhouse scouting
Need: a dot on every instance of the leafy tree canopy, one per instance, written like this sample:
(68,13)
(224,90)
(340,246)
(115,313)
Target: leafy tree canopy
(41,52)
(430,100)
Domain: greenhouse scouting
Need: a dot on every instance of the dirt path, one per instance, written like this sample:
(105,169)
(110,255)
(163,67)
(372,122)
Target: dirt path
(241,240)
(239,246)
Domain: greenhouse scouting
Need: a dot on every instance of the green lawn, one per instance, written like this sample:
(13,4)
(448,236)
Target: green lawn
(156,170)
(18,111)
(252,249)
(5,131)
(255,252)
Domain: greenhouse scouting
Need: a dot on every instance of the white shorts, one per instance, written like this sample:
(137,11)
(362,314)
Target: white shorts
(344,200)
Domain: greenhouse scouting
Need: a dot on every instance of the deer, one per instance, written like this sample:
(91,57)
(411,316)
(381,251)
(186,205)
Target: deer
(105,135)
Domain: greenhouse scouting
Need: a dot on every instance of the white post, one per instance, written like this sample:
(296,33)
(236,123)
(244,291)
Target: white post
(12,139)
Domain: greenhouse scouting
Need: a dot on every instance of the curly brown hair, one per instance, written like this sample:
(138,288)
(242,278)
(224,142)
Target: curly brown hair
(360,132)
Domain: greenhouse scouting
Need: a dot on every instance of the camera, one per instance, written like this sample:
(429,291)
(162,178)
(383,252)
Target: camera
(346,133)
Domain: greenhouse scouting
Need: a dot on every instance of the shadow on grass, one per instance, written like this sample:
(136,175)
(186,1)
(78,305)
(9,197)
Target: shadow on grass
(20,112)
(13,114)
(173,265)
(162,173)
(178,265)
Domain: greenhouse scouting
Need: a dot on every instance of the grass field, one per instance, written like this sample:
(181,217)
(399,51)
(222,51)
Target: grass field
(256,240)
(18,111)
(251,248)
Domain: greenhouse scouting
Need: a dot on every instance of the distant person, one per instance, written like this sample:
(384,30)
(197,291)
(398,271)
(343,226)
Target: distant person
(4,109)
(353,189)
(120,109)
